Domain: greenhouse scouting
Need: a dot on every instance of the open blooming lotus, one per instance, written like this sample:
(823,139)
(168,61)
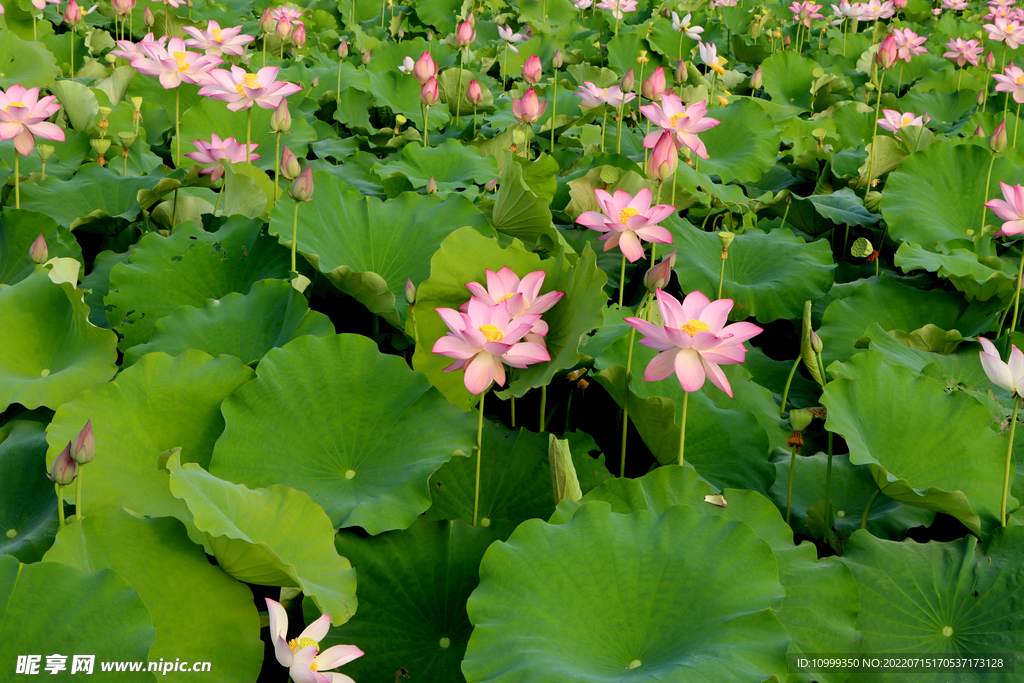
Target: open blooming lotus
(506,34)
(709,55)
(1004,31)
(217,41)
(894,120)
(129,50)
(683,26)
(23,115)
(625,220)
(41,4)
(1009,376)
(908,44)
(521,295)
(1011,210)
(963,52)
(528,108)
(617,7)
(592,96)
(173,65)
(1011,81)
(302,656)
(216,151)
(804,12)
(288,13)
(682,121)
(241,89)
(485,339)
(694,340)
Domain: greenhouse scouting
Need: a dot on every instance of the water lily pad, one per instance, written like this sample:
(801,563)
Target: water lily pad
(365,456)
(243,325)
(198,611)
(452,165)
(28,503)
(51,350)
(564,625)
(18,230)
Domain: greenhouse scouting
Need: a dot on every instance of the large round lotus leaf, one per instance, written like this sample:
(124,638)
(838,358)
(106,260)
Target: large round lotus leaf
(275,536)
(413,587)
(316,419)
(609,597)
(852,488)
(946,599)
(768,275)
(742,147)
(925,447)
(935,198)
(788,78)
(97,282)
(48,608)
(369,248)
(463,257)
(243,325)
(51,351)
(158,404)
(727,447)
(28,503)
(18,230)
(24,62)
(452,165)
(978,281)
(821,601)
(893,305)
(199,612)
(192,265)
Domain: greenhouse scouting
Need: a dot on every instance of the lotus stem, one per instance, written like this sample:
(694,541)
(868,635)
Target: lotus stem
(721,273)
(568,406)
(959,78)
(622,278)
(789,380)
(988,181)
(277,168)
(554,106)
(871,157)
(79,508)
(282,50)
(625,401)
(248,133)
(1009,459)
(543,407)
(167,19)
(60,505)
(177,129)
(789,490)
(337,93)
(1016,125)
(618,134)
(513,412)
(867,510)
(382,9)
(458,95)
(682,427)
(828,470)
(174,210)
(504,72)
(352,14)
(71,33)
(295,233)
(426,134)
(479,447)
(899,81)
(604,123)
(17,180)
(1016,303)
(219,195)
(34,35)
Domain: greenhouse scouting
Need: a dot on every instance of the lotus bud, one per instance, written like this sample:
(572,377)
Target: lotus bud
(997,141)
(425,68)
(343,49)
(465,34)
(401,34)
(38,251)
(532,70)
(816,344)
(990,61)
(431,186)
(491,185)
(978,132)
(410,292)
(302,187)
(429,92)
(726,238)
(366,57)
(557,60)
(281,119)
(83,448)
(73,13)
(787,41)
(290,168)
(980,98)
(664,159)
(628,82)
(681,72)
(660,275)
(899,4)
(147,17)
(757,80)
(267,22)
(654,86)
(564,481)
(299,35)
(64,469)
(800,419)
(283,29)
(475,94)
(887,53)
(45,151)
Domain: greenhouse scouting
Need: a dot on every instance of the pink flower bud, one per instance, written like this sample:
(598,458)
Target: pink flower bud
(299,35)
(83,448)
(343,49)
(410,292)
(681,72)
(997,141)
(532,70)
(147,16)
(664,158)
(429,92)
(475,95)
(38,251)
(887,53)
(757,80)
(424,69)
(281,119)
(787,41)
(64,468)
(990,61)
(899,4)
(302,187)
(431,186)
(73,13)
(290,168)
(627,82)
(816,344)
(528,108)
(557,61)
(979,132)
(655,85)
(660,275)
(267,23)
(283,29)
(980,98)
(465,34)
(366,57)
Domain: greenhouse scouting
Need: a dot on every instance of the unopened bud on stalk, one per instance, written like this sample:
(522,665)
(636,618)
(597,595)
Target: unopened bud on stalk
(475,94)
(887,53)
(997,141)
(343,49)
(532,70)
(979,132)
(816,344)
(757,80)
(281,119)
(64,468)
(410,292)
(38,251)
(654,86)
(283,29)
(147,16)
(431,186)
(660,275)
(627,82)
(979,99)
(990,61)
(299,35)
(267,23)
(681,72)
(366,57)
(557,60)
(429,92)
(302,187)
(290,168)
(83,448)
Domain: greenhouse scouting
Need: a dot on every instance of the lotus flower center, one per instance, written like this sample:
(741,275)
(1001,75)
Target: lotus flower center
(675,117)
(296,644)
(692,327)
(626,213)
(1020,79)
(14,104)
(216,34)
(491,333)
(180,58)
(250,82)
(906,120)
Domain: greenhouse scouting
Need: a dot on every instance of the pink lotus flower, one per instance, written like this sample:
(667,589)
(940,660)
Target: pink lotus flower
(424,68)
(465,34)
(592,96)
(887,54)
(174,64)
(484,340)
(683,26)
(1008,376)
(804,12)
(521,296)
(617,7)
(665,158)
(216,41)
(506,34)
(429,92)
(241,90)
(875,9)
(475,94)
(407,66)
(908,44)
(683,122)
(23,115)
(302,655)
(217,151)
(532,69)
(73,13)
(694,340)
(963,52)
(1003,31)
(655,85)
(1011,210)
(626,219)
(893,120)
(41,4)
(1011,81)
(528,108)
(955,5)
(129,50)
(289,14)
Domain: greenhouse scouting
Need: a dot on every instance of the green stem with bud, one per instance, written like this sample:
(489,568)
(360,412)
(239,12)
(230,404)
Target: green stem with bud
(277,169)
(458,102)
(60,504)
(871,157)
(295,233)
(682,428)
(625,401)
(1009,460)
(479,448)
(789,380)
(17,180)
(79,508)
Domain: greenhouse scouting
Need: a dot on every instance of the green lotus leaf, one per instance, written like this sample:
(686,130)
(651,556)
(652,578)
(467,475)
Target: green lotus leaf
(413,587)
(872,408)
(368,248)
(452,165)
(944,108)
(186,269)
(18,230)
(936,197)
(821,601)
(768,275)
(247,192)
(51,351)
(275,536)
(463,257)
(243,325)
(788,78)
(890,303)
(365,456)
(715,625)
(28,503)
(199,612)
(518,212)
(97,283)
(843,207)
(852,489)
(950,599)
(744,146)
(24,62)
(79,103)
(49,608)
(401,93)
(978,281)
(94,192)
(172,403)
